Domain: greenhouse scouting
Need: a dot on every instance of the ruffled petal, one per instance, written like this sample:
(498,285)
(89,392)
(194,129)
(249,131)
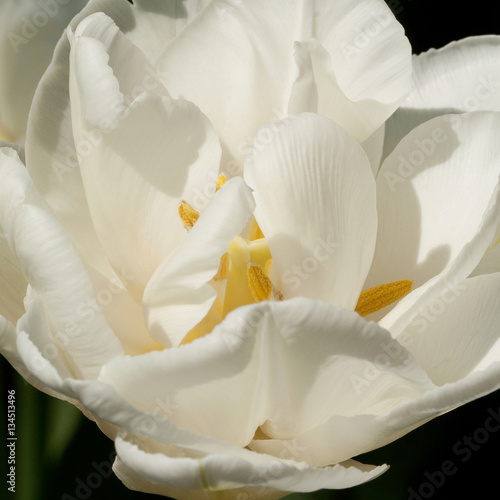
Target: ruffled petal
(315,196)
(426,232)
(179,294)
(249,67)
(158,432)
(50,146)
(270,366)
(227,475)
(461,77)
(358,89)
(52,267)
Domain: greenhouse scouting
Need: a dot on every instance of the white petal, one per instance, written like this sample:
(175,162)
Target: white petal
(315,196)
(134,481)
(249,67)
(257,469)
(457,334)
(271,365)
(163,152)
(178,295)
(53,269)
(50,145)
(12,282)
(123,313)
(219,472)
(426,231)
(29,32)
(461,77)
(490,263)
(375,431)
(360,96)
(374,148)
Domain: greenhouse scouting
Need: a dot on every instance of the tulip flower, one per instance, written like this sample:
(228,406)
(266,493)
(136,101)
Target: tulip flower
(216,252)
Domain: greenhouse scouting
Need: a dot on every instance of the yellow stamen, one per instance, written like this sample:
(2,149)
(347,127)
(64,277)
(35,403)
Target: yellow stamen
(378,297)
(260,285)
(188,214)
(254,233)
(221,180)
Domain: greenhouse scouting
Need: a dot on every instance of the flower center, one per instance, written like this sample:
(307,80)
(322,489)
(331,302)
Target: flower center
(247,281)
(243,277)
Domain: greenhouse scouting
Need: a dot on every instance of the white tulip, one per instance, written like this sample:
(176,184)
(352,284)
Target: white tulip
(203,231)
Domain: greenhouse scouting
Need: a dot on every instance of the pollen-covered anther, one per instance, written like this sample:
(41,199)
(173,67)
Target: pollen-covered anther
(259,284)
(188,214)
(221,180)
(376,298)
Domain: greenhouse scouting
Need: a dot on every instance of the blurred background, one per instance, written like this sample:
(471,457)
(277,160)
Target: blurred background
(58,449)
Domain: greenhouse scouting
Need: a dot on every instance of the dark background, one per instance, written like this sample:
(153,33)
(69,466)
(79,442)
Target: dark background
(56,447)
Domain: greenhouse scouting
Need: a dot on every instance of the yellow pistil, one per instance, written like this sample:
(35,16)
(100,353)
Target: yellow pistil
(259,284)
(221,180)
(378,297)
(242,252)
(188,214)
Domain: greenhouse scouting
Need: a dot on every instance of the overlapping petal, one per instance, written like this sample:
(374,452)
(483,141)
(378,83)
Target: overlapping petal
(179,295)
(270,366)
(457,334)
(50,145)
(427,233)
(254,468)
(250,73)
(461,77)
(175,157)
(315,197)
(54,271)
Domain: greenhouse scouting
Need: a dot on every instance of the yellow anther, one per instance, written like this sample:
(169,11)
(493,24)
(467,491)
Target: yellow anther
(259,284)
(378,297)
(188,214)
(223,268)
(254,233)
(221,180)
